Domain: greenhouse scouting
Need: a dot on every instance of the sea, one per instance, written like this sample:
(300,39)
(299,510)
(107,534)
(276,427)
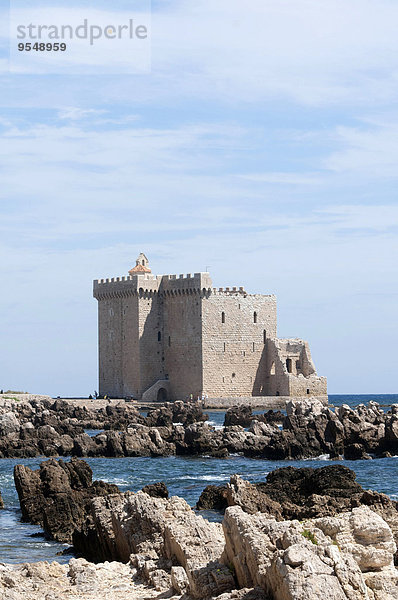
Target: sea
(184,476)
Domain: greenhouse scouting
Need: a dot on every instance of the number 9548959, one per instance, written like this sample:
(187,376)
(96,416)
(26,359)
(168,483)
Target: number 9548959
(42,47)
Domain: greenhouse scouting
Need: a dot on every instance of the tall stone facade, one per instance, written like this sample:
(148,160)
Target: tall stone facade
(168,336)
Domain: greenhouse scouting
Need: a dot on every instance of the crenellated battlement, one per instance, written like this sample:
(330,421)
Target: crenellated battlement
(144,284)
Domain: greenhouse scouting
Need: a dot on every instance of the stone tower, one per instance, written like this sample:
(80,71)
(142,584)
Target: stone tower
(171,336)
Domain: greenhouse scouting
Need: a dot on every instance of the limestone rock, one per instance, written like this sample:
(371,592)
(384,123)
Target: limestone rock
(347,556)
(156,533)
(79,579)
(179,579)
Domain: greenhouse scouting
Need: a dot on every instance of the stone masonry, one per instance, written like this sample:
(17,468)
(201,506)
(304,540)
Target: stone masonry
(168,336)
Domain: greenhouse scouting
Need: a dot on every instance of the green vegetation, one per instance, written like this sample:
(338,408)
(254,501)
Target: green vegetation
(309,536)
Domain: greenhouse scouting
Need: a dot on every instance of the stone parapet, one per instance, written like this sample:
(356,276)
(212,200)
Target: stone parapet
(267,402)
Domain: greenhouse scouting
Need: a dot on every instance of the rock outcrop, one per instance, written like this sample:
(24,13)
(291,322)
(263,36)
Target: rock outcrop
(56,496)
(78,579)
(308,430)
(157,534)
(290,492)
(349,556)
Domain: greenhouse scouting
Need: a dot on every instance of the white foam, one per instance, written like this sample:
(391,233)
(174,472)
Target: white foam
(320,457)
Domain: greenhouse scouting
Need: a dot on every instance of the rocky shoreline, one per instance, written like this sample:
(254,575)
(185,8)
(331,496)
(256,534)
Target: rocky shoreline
(36,427)
(299,534)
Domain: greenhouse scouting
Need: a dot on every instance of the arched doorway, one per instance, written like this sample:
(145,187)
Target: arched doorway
(162,395)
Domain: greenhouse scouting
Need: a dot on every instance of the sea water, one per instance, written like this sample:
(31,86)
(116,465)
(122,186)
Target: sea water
(184,476)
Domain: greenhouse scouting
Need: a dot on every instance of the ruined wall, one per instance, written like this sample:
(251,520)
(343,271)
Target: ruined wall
(235,328)
(290,370)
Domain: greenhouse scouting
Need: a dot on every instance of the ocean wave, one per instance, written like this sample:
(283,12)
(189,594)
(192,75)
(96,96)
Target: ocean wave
(320,457)
(215,424)
(117,481)
(206,477)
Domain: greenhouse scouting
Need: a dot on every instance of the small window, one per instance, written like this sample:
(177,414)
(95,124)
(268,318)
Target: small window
(233,374)
(277,393)
(289,365)
(169,341)
(253,347)
(159,336)
(264,336)
(308,390)
(255,317)
(143,263)
(224,346)
(272,370)
(223,317)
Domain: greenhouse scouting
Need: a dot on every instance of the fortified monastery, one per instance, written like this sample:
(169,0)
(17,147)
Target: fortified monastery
(165,337)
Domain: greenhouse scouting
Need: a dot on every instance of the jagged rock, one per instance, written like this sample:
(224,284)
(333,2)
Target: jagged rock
(243,493)
(244,594)
(213,497)
(291,493)
(78,579)
(200,438)
(179,580)
(156,490)
(330,557)
(159,533)
(238,415)
(8,424)
(185,413)
(197,545)
(41,426)
(56,495)
(271,417)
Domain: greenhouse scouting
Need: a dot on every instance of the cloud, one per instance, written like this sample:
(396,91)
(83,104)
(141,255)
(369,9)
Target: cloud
(74,113)
(309,52)
(368,150)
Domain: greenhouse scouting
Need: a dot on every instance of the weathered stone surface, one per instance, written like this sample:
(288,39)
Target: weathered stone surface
(197,545)
(310,429)
(290,492)
(156,490)
(159,533)
(330,557)
(56,495)
(79,579)
(238,415)
(213,497)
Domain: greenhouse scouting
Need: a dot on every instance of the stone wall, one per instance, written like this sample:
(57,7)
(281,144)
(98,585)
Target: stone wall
(182,324)
(266,402)
(235,329)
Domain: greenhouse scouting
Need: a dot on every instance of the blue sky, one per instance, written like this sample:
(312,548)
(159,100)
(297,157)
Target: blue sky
(263,144)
